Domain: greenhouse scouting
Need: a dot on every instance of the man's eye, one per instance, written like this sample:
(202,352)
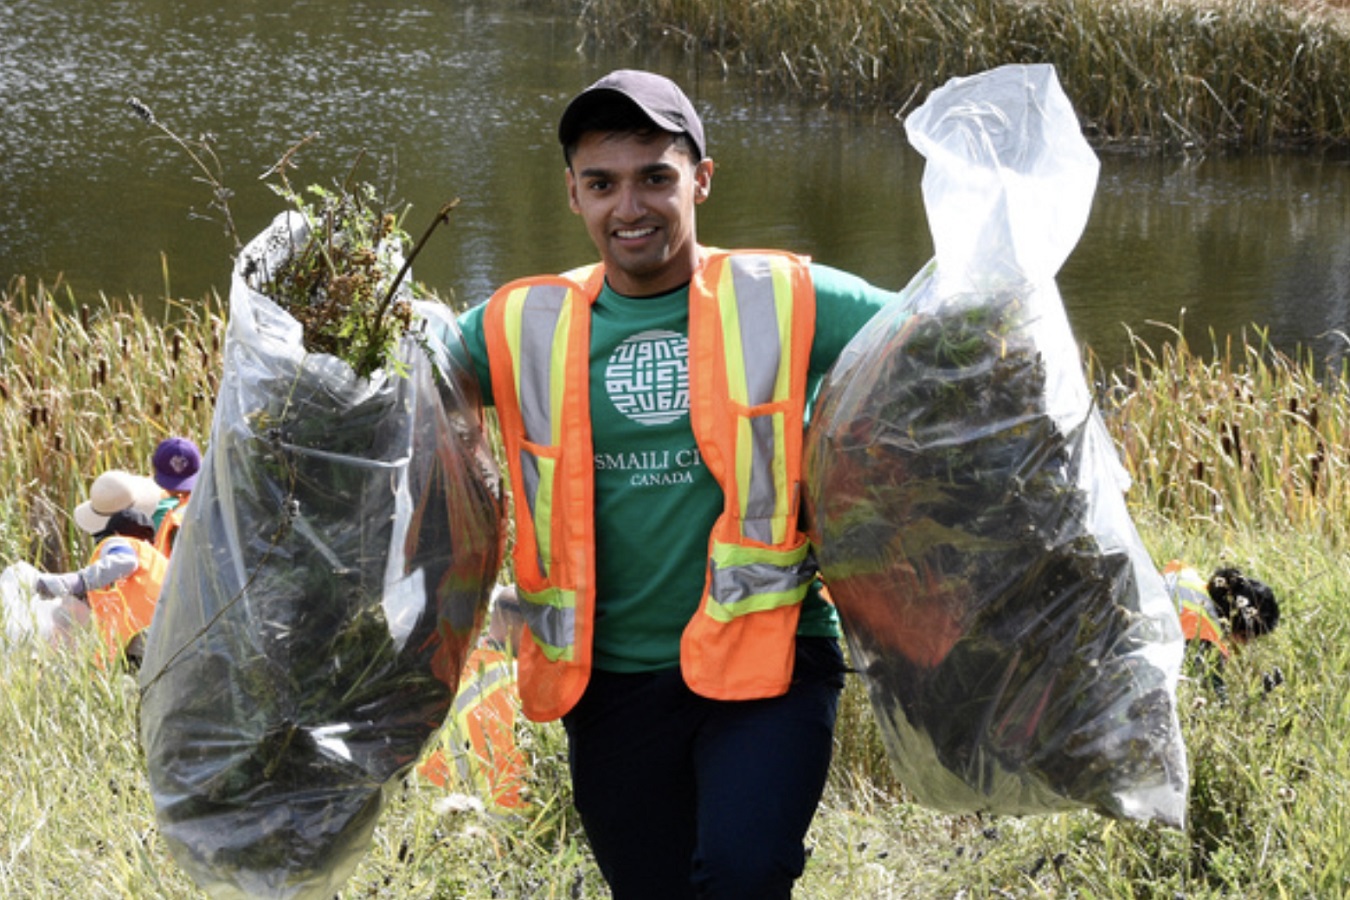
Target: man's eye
(598,185)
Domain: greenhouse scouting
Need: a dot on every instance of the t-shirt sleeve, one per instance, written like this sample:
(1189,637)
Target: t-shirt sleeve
(475,343)
(116,560)
(844,304)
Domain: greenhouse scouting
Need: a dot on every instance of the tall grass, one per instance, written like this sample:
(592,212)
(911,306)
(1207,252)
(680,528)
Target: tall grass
(86,387)
(1176,73)
(1242,437)
(1269,808)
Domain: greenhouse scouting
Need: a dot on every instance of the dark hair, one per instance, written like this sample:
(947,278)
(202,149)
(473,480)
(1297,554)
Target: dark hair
(130,523)
(622,118)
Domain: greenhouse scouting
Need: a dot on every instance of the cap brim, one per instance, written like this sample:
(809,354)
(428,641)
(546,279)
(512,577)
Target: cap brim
(88,520)
(186,483)
(576,111)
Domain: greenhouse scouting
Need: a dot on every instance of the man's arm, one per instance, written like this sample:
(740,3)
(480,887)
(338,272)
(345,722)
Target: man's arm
(116,561)
(475,342)
(844,304)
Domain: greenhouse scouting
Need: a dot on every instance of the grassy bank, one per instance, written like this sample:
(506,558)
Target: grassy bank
(1238,455)
(1163,73)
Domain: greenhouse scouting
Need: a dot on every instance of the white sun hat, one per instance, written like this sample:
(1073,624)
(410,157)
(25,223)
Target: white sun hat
(114,491)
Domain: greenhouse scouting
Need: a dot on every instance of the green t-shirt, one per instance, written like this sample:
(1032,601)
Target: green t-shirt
(655,501)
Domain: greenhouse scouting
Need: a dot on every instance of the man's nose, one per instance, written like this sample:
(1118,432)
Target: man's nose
(630,202)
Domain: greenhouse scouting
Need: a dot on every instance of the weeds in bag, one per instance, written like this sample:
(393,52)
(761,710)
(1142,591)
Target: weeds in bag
(1019,650)
(335,561)
(342,274)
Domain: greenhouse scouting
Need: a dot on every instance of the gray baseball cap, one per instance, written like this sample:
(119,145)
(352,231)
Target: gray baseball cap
(658,98)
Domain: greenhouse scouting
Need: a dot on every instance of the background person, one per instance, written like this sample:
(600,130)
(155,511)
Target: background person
(176,463)
(652,408)
(478,748)
(122,580)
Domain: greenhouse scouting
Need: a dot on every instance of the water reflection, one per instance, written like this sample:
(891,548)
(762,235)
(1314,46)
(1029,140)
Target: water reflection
(460,99)
(1246,243)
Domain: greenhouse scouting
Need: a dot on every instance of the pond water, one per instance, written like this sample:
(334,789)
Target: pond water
(444,99)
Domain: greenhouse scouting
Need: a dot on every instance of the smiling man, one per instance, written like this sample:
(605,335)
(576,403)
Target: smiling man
(636,187)
(652,408)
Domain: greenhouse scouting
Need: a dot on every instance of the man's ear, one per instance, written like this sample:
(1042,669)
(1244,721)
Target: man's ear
(571,190)
(703,174)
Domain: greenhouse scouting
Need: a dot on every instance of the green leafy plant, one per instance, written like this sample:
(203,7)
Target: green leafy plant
(342,280)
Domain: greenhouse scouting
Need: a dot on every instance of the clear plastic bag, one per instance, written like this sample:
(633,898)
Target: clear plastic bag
(30,618)
(1019,647)
(335,563)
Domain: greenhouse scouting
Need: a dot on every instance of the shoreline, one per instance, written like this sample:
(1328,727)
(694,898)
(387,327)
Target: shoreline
(1145,76)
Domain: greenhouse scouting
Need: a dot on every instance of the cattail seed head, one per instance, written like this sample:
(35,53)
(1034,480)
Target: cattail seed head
(141,110)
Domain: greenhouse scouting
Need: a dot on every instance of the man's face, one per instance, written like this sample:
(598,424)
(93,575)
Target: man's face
(636,194)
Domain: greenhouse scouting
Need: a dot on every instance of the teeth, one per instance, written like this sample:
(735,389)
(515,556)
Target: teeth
(634,233)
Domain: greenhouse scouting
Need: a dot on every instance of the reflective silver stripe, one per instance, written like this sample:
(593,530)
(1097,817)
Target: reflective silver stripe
(529,468)
(734,584)
(551,624)
(539,316)
(760,506)
(490,677)
(762,356)
(493,677)
(761,344)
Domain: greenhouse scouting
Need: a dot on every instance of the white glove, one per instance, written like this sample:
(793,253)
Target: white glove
(68,585)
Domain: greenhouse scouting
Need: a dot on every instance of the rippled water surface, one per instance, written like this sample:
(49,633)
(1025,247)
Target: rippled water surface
(445,99)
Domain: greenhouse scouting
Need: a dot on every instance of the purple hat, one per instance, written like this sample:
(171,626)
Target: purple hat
(658,98)
(176,462)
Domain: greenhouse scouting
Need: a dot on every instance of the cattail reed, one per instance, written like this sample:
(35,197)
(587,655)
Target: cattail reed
(64,420)
(1227,73)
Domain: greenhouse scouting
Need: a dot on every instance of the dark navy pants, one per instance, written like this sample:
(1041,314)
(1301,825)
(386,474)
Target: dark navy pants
(685,797)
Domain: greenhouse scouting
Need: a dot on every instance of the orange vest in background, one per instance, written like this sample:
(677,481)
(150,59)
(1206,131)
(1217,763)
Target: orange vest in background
(168,529)
(481,733)
(751,327)
(1199,618)
(124,609)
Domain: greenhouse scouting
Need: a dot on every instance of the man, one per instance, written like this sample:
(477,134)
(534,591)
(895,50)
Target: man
(652,410)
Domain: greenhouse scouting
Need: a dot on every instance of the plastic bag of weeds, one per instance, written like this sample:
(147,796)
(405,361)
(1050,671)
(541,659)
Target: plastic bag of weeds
(1019,647)
(335,562)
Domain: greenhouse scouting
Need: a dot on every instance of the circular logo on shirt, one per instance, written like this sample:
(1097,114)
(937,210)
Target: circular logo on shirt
(647,377)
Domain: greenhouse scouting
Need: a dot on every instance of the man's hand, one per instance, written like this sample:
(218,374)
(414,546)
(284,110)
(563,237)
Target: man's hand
(67,585)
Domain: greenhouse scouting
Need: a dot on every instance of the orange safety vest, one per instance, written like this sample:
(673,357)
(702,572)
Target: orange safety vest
(125,608)
(1199,618)
(751,326)
(167,532)
(481,733)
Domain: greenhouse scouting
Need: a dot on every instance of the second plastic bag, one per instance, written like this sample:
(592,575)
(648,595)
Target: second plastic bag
(336,558)
(1019,647)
